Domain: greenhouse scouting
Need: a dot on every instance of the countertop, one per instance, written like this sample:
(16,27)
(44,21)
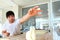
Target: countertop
(16,37)
(42,35)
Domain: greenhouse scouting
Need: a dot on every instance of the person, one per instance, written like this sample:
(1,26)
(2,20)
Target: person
(10,27)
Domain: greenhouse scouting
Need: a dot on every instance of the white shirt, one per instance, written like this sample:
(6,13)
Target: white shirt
(13,28)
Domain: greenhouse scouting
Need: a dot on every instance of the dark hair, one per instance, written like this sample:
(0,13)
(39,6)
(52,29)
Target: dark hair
(9,13)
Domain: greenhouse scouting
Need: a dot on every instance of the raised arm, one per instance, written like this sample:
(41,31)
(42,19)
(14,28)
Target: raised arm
(31,12)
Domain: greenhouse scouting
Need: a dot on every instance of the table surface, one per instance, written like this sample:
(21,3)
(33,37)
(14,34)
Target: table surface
(17,37)
(47,36)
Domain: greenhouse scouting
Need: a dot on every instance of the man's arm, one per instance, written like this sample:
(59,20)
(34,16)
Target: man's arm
(24,18)
(31,12)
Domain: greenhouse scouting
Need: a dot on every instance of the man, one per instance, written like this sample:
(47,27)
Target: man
(10,27)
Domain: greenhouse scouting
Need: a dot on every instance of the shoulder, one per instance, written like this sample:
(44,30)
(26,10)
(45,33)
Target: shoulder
(17,21)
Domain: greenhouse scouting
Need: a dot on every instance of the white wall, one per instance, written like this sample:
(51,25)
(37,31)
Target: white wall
(20,12)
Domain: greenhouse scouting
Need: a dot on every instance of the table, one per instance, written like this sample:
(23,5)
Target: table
(45,36)
(16,37)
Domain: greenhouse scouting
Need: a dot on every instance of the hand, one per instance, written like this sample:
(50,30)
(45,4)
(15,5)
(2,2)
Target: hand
(34,11)
(5,33)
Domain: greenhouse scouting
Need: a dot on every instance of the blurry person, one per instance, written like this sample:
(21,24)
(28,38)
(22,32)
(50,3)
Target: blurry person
(10,27)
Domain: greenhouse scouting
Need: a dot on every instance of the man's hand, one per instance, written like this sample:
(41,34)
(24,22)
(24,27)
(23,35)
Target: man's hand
(31,12)
(34,11)
(5,33)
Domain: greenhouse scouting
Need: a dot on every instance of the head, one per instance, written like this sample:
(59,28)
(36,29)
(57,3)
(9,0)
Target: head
(10,16)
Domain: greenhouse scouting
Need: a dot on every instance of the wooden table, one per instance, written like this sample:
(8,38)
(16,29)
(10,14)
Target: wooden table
(17,37)
(45,36)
